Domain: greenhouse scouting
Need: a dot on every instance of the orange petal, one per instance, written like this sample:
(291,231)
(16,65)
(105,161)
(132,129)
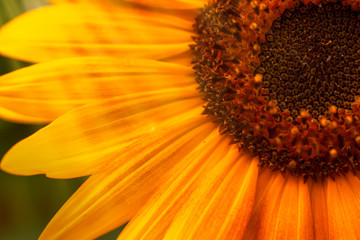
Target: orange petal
(219,210)
(90,30)
(268,182)
(79,142)
(202,164)
(112,196)
(182,59)
(239,215)
(172,4)
(320,212)
(343,203)
(282,211)
(47,90)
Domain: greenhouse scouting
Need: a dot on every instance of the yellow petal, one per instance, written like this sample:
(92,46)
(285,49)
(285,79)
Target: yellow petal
(343,204)
(171,4)
(202,164)
(45,91)
(219,210)
(89,30)
(79,142)
(282,211)
(112,196)
(13,116)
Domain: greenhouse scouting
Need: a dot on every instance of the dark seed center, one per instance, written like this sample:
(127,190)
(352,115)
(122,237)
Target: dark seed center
(310,59)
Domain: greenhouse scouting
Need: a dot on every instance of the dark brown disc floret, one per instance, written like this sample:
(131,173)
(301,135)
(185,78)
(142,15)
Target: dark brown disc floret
(282,78)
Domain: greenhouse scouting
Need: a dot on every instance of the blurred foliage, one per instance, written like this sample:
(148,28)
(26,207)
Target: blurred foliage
(27,204)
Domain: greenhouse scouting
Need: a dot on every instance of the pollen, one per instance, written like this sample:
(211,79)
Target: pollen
(283,81)
(333,154)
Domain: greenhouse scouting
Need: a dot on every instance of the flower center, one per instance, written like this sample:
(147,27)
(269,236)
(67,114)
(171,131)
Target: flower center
(311,59)
(282,81)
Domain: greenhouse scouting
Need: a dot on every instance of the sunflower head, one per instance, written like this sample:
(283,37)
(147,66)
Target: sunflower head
(115,80)
(282,78)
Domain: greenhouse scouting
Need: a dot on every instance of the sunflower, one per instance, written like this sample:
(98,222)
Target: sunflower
(195,119)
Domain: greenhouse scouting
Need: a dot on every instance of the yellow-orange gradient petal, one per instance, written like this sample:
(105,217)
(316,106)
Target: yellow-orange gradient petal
(168,4)
(45,91)
(343,205)
(282,210)
(13,116)
(79,142)
(112,196)
(219,209)
(172,4)
(319,208)
(67,30)
(182,59)
(153,219)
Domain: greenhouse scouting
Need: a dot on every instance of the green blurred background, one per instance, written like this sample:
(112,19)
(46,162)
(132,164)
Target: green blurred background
(27,204)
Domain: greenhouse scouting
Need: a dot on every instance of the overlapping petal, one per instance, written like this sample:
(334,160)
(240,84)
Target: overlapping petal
(154,158)
(168,4)
(204,165)
(172,4)
(43,92)
(14,116)
(343,206)
(79,142)
(112,196)
(219,208)
(319,208)
(282,209)
(91,30)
